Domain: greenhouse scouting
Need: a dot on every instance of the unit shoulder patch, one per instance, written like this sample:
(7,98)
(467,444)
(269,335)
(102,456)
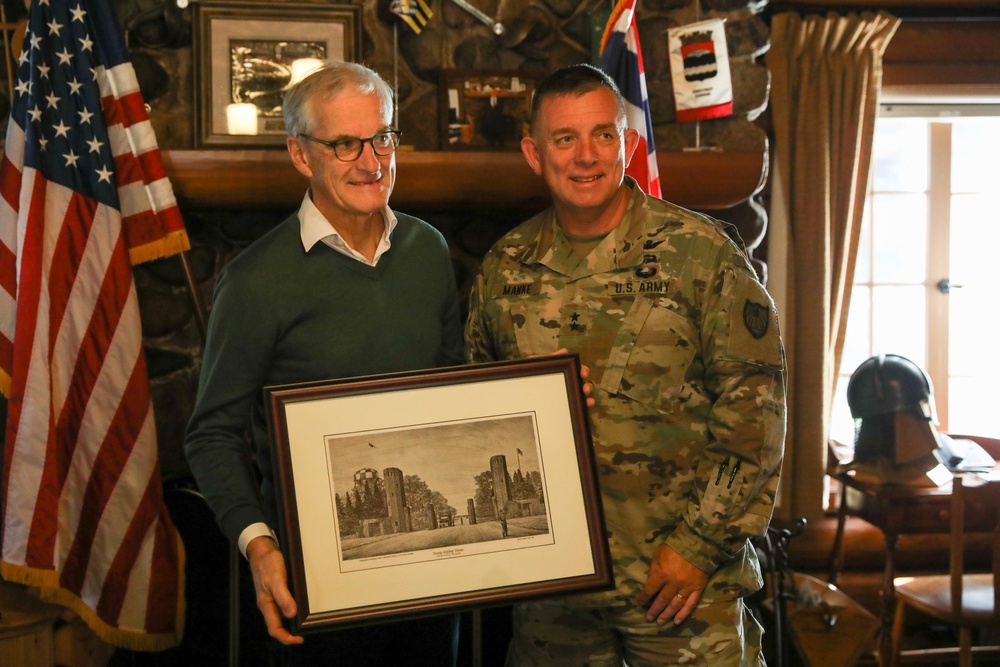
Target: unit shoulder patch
(756,318)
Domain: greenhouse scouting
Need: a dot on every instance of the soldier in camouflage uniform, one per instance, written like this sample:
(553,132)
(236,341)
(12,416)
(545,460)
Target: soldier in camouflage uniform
(687,367)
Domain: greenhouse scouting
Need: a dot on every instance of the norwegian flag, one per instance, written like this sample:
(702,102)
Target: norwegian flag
(621,58)
(83,195)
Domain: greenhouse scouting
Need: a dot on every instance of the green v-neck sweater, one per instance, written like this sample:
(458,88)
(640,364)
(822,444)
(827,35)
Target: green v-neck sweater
(282,315)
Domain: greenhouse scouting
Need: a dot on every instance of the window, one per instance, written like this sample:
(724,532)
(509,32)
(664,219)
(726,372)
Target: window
(925,285)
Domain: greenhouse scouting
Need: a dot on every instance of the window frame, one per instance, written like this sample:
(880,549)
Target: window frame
(938,253)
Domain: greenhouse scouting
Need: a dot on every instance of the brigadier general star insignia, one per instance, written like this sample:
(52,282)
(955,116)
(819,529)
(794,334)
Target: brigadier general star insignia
(757,318)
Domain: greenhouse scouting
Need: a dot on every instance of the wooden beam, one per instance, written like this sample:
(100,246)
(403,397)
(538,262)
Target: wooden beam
(905,9)
(941,58)
(441,181)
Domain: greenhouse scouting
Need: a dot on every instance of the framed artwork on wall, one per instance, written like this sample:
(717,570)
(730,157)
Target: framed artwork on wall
(247,55)
(432,491)
(484,110)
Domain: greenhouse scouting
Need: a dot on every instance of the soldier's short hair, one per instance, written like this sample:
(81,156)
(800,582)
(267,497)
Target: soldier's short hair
(576,80)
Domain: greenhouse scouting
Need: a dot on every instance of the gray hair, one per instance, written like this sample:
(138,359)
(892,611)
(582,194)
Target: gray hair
(325,83)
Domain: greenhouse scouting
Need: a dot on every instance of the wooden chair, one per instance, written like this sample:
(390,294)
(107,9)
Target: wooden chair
(961,599)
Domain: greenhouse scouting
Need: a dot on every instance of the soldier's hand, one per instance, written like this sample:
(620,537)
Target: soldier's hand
(270,581)
(588,387)
(673,588)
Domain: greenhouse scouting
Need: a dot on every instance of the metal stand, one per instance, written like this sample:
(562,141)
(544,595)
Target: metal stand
(775,546)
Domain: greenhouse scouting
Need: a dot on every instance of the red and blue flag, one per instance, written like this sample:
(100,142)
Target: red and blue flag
(621,58)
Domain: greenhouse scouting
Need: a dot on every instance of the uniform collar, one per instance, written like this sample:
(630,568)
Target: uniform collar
(622,247)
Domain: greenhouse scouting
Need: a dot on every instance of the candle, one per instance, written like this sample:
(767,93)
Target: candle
(241,118)
(303,67)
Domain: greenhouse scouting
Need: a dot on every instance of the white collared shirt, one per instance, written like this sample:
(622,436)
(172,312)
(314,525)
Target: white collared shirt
(314,227)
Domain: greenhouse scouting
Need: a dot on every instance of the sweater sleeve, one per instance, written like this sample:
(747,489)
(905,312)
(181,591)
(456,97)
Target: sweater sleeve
(237,356)
(452,347)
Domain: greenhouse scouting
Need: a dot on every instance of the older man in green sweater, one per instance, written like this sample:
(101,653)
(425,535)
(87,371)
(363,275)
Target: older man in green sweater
(344,287)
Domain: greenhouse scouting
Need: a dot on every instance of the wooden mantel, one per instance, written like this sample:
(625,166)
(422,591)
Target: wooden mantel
(440,181)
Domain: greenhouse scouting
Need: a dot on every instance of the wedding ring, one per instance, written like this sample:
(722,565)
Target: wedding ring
(679,595)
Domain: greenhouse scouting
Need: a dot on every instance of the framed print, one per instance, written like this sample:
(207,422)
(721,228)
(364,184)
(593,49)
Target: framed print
(247,56)
(484,110)
(426,492)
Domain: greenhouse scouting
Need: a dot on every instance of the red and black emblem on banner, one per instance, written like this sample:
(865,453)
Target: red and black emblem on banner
(698,52)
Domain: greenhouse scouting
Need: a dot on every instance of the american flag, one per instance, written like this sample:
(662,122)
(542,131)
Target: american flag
(84,196)
(621,58)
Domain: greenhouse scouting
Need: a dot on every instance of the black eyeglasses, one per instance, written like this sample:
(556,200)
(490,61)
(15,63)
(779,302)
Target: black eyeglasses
(349,149)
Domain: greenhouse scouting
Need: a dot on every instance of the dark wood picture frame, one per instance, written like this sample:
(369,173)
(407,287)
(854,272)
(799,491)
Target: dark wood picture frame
(398,494)
(484,110)
(244,52)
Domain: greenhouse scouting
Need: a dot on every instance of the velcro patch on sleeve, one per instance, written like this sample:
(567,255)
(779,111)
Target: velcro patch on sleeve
(753,323)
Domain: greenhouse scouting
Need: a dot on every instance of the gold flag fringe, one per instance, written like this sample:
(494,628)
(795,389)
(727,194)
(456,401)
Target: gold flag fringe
(47,583)
(171,244)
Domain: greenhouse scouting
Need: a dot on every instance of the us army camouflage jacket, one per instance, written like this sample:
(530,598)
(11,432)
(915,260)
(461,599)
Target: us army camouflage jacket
(688,369)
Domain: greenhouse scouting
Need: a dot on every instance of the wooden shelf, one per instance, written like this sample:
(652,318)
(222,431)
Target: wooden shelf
(443,181)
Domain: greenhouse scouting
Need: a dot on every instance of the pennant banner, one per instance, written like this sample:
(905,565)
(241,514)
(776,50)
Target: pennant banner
(699,69)
(84,196)
(621,58)
(415,13)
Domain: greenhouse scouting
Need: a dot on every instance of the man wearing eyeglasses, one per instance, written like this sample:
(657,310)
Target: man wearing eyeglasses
(345,287)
